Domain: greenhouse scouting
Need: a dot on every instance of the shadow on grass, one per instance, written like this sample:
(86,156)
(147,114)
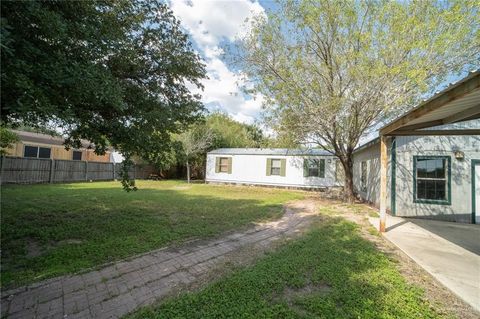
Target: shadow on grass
(52,230)
(339,275)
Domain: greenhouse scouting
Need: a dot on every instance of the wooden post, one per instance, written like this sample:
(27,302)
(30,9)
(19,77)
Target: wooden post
(383,182)
(52,170)
(113,170)
(2,169)
(86,171)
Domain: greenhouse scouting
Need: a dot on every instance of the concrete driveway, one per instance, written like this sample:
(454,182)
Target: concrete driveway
(450,252)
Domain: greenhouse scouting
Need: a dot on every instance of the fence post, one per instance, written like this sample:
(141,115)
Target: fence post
(113,170)
(1,168)
(86,171)
(52,170)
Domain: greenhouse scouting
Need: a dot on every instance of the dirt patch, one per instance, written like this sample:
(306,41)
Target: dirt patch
(181,187)
(443,300)
(70,242)
(34,249)
(291,294)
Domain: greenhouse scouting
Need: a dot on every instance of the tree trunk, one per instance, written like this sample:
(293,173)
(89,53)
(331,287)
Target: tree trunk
(347,164)
(188,172)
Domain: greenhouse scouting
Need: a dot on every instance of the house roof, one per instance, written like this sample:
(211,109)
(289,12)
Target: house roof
(271,151)
(458,102)
(34,137)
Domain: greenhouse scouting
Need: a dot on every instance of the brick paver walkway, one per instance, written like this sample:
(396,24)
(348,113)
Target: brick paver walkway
(121,287)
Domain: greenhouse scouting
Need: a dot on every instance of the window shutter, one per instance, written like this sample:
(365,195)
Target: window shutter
(305,167)
(283,167)
(217,164)
(229,165)
(269,166)
(321,168)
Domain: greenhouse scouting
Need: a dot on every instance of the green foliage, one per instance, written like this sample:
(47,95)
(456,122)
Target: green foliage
(7,139)
(230,133)
(107,71)
(195,142)
(331,272)
(217,130)
(76,226)
(332,70)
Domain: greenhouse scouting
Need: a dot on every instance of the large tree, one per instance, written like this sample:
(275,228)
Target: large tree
(332,70)
(113,72)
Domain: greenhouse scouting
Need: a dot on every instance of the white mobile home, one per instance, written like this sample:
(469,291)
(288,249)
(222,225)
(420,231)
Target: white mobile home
(274,167)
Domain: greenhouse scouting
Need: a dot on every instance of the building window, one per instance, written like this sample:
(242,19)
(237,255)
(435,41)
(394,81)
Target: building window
(432,179)
(363,176)
(276,167)
(223,164)
(77,155)
(36,152)
(30,151)
(314,167)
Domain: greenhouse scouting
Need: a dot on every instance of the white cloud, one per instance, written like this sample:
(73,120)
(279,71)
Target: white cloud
(210,23)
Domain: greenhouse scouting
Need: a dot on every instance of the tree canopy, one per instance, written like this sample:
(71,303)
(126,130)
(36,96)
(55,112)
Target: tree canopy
(114,72)
(332,70)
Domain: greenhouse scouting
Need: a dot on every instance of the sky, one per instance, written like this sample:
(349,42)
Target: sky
(213,26)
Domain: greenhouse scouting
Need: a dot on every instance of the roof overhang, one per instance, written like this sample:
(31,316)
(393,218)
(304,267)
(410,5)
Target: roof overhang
(457,103)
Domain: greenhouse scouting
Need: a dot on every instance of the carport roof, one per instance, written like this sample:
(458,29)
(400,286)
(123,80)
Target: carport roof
(458,102)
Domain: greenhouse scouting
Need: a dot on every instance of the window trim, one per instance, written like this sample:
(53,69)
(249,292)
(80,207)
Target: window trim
(73,155)
(38,151)
(24,150)
(447,201)
(279,168)
(220,165)
(319,166)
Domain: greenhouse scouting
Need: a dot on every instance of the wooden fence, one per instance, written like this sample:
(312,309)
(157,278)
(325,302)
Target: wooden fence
(22,170)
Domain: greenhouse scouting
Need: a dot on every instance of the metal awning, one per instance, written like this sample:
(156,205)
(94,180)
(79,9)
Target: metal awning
(458,102)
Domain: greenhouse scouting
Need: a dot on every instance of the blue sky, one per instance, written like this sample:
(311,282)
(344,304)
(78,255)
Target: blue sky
(214,25)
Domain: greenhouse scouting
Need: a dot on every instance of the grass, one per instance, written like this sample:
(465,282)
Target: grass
(331,272)
(49,230)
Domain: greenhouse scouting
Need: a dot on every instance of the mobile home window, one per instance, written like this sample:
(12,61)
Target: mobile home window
(432,179)
(315,167)
(223,164)
(77,155)
(276,166)
(363,176)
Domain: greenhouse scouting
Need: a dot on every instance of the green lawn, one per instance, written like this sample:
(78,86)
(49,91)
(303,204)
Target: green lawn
(331,272)
(48,230)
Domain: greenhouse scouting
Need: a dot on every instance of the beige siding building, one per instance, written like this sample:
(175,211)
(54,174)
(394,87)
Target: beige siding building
(37,145)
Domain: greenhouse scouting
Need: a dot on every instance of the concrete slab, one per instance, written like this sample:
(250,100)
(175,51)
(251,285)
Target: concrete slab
(450,252)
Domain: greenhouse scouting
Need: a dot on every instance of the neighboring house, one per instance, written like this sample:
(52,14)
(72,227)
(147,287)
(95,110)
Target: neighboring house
(274,167)
(432,158)
(37,145)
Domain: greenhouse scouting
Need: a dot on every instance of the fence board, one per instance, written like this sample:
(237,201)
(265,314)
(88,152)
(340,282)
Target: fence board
(69,171)
(21,170)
